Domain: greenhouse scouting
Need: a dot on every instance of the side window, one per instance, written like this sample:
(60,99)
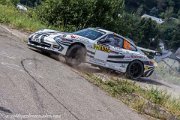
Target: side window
(112,40)
(133,48)
(119,42)
(129,46)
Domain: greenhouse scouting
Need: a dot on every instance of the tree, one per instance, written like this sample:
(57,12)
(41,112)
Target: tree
(145,32)
(154,12)
(169,12)
(175,41)
(170,34)
(9,2)
(80,13)
(31,3)
(140,10)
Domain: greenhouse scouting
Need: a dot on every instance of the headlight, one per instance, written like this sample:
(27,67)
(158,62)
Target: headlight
(153,62)
(57,38)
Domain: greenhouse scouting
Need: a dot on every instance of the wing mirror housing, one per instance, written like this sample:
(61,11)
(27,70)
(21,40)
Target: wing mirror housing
(158,53)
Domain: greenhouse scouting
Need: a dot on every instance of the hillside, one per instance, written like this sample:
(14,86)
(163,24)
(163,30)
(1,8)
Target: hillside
(120,16)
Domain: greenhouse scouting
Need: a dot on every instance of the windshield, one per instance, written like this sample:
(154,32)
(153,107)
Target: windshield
(90,33)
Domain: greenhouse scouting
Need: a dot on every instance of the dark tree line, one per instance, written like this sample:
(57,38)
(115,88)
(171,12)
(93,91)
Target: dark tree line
(30,3)
(158,8)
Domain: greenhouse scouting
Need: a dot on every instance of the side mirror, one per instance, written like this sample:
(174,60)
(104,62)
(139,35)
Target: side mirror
(150,56)
(158,53)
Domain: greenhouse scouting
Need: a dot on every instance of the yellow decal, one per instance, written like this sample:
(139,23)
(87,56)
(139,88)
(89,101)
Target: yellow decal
(101,48)
(147,68)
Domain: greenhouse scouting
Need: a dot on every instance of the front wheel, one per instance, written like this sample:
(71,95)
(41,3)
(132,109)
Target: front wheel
(135,70)
(75,55)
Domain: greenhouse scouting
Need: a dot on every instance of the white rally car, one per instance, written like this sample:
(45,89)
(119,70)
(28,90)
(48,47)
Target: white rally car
(96,46)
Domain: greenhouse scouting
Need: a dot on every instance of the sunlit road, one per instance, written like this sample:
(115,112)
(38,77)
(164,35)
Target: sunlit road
(34,84)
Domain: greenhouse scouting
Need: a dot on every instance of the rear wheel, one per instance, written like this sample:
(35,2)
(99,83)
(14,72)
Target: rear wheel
(135,70)
(75,55)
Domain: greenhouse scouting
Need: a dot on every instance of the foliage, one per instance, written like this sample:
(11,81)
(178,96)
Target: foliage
(163,8)
(31,3)
(10,15)
(147,33)
(98,13)
(142,31)
(80,13)
(9,2)
(71,15)
(170,33)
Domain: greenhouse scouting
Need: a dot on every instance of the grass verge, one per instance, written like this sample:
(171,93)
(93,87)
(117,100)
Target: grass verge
(152,102)
(27,21)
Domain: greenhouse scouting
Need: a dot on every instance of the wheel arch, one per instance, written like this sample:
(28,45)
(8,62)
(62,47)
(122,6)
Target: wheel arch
(76,43)
(127,70)
(133,61)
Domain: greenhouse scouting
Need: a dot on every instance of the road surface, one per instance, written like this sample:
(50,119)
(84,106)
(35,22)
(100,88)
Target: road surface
(35,86)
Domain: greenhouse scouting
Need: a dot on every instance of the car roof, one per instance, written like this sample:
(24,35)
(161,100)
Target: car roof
(110,32)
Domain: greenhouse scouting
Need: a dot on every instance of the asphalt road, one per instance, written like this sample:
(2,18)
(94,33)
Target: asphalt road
(34,86)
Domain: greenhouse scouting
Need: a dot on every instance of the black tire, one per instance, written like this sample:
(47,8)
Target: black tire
(102,68)
(75,55)
(135,70)
(45,52)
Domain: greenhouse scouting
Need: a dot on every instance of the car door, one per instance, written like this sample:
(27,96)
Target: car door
(100,52)
(108,49)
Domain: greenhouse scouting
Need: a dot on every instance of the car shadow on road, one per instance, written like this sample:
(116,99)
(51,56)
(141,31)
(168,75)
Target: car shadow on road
(50,55)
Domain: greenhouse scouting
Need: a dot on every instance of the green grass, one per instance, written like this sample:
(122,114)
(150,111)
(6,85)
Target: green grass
(9,15)
(152,102)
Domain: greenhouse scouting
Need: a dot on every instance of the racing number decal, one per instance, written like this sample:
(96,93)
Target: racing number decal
(101,48)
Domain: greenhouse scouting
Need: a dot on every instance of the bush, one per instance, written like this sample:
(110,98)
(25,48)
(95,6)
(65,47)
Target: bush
(10,15)
(9,2)
(79,13)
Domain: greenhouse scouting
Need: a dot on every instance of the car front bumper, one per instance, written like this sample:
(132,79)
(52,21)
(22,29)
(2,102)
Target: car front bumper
(47,49)
(148,70)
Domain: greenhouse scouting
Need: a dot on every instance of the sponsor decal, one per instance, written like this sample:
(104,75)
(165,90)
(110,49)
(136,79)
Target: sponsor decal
(134,56)
(148,68)
(102,48)
(73,36)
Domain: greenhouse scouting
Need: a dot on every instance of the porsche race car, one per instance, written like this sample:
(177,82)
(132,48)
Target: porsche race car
(96,46)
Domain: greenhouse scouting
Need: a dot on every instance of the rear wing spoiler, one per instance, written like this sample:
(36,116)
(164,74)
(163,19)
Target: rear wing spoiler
(150,53)
(147,50)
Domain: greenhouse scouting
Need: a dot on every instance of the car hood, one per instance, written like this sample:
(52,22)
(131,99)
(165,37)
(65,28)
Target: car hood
(49,32)
(50,35)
